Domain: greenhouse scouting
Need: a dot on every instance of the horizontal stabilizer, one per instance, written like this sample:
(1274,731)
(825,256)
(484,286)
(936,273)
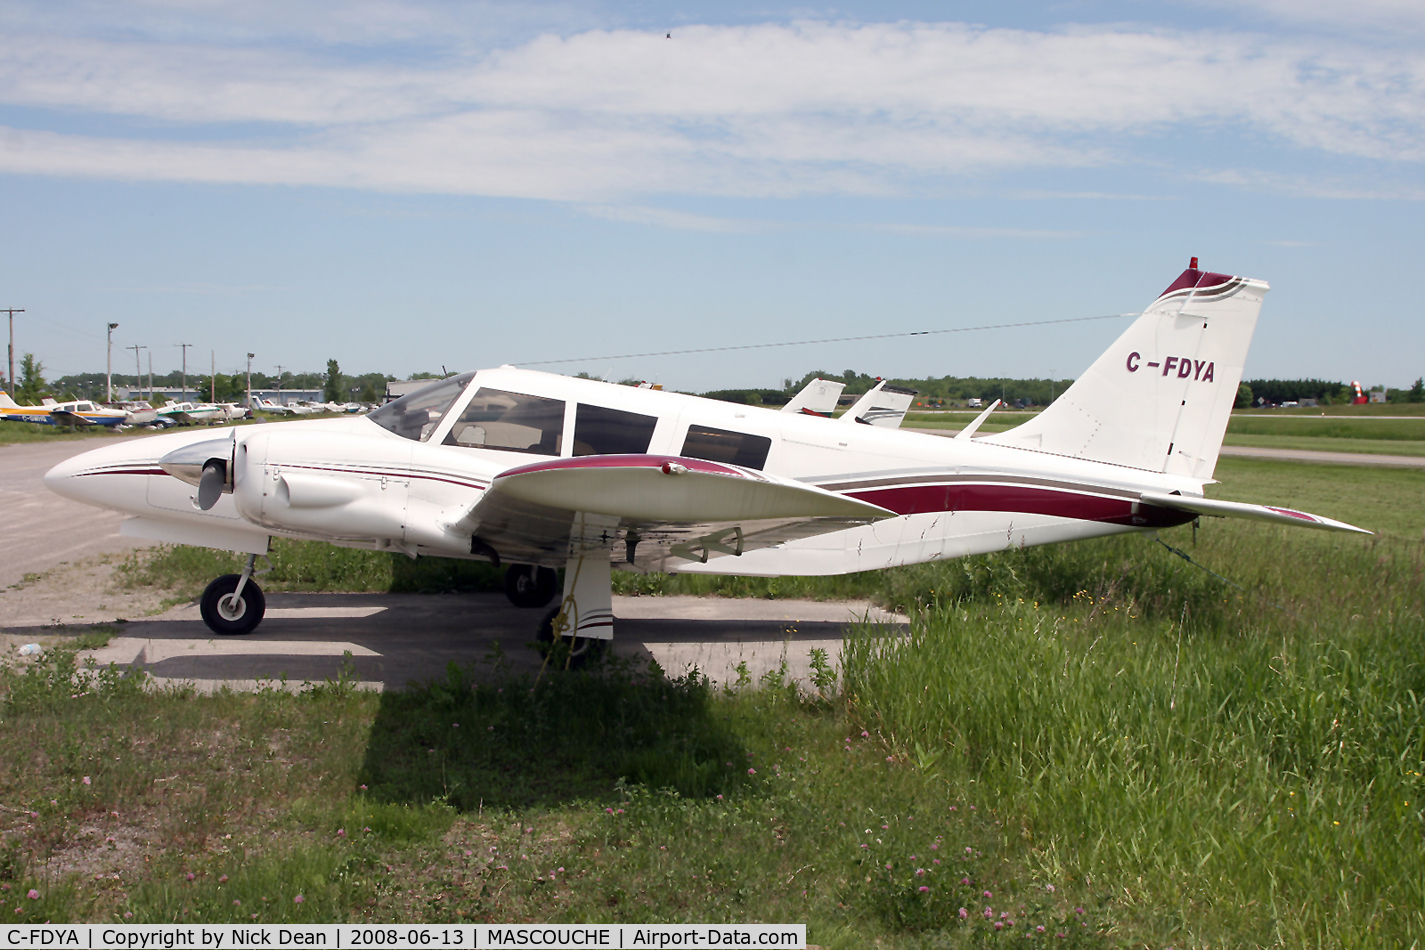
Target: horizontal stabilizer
(969,431)
(1236,509)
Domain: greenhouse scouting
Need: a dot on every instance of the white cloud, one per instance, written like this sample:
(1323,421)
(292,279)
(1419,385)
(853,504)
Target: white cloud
(677,220)
(973,233)
(603,116)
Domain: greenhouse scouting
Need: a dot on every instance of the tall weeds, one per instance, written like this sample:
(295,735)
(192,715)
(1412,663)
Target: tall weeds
(1249,762)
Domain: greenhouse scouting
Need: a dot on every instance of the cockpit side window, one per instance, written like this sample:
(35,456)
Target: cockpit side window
(600,431)
(511,422)
(415,415)
(732,448)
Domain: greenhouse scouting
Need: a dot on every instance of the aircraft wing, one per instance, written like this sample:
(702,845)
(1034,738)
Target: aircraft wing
(1237,509)
(67,418)
(655,512)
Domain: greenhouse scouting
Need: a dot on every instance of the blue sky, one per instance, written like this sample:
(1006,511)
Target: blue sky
(410,185)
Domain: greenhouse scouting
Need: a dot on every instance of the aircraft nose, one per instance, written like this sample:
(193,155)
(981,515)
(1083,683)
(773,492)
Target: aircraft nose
(87,477)
(62,478)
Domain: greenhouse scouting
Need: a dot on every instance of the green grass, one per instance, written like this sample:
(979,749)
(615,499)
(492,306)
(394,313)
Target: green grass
(1330,427)
(184,571)
(1192,765)
(1209,750)
(16,432)
(624,796)
(1332,433)
(1346,411)
(1307,443)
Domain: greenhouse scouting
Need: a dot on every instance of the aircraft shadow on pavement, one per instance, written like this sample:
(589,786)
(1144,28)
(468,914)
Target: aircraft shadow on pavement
(405,640)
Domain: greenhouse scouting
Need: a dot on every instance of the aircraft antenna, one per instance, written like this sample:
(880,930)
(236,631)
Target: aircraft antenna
(835,339)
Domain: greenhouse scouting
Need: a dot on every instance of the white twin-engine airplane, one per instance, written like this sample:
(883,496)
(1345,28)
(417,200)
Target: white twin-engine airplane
(538,471)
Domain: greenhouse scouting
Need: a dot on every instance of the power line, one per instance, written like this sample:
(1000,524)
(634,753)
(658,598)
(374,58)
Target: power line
(838,339)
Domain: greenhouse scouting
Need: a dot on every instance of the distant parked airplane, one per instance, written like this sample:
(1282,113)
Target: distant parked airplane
(79,412)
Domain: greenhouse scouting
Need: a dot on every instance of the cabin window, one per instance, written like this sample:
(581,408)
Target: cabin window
(720,445)
(600,431)
(415,415)
(512,422)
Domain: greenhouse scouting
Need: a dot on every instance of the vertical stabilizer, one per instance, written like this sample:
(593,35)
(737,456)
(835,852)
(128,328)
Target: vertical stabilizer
(817,398)
(1160,398)
(882,405)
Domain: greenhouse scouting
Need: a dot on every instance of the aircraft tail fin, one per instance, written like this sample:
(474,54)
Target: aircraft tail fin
(817,398)
(6,402)
(1160,397)
(882,405)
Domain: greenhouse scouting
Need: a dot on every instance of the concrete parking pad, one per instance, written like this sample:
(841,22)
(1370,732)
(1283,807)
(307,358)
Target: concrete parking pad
(392,639)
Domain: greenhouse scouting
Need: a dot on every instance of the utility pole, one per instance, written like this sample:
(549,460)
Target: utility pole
(185,369)
(150,376)
(249,381)
(212,376)
(12,313)
(138,370)
(109,365)
(280,398)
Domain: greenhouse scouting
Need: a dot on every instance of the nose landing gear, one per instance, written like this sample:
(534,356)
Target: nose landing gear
(528,586)
(233,604)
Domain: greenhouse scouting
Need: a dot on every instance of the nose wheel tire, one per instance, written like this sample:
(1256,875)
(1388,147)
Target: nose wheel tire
(228,615)
(583,651)
(528,586)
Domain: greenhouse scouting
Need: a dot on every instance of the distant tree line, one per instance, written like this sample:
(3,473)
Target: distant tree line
(1325,392)
(370,387)
(933,392)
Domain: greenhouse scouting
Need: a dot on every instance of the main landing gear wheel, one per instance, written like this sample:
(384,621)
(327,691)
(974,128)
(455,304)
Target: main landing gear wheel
(228,615)
(528,586)
(582,650)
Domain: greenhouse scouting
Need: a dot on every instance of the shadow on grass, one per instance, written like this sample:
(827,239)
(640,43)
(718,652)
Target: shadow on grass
(521,741)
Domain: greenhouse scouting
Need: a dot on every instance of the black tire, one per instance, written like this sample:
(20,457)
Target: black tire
(238,619)
(527,586)
(585,651)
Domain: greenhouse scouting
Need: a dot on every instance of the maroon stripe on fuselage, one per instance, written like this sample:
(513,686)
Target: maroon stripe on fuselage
(630,461)
(388,473)
(126,471)
(927,499)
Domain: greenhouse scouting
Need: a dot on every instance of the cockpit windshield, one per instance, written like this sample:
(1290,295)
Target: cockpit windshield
(415,415)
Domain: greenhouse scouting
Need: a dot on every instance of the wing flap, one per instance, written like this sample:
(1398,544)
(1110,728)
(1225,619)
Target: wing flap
(1236,509)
